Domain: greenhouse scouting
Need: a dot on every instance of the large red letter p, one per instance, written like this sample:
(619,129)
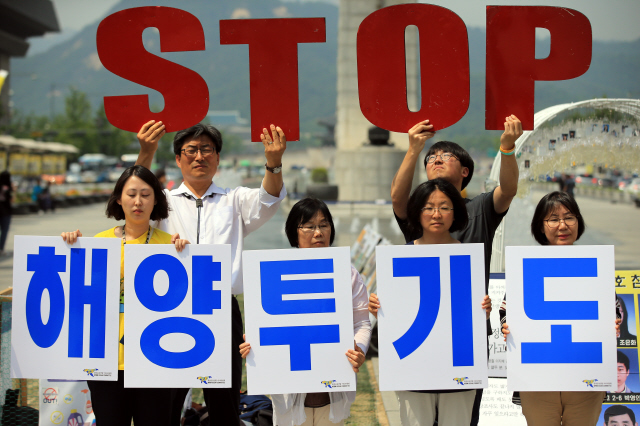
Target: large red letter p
(512,68)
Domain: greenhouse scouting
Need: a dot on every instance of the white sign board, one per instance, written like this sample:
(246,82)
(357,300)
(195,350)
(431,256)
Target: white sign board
(65,308)
(561,315)
(431,322)
(299,320)
(177,316)
(65,402)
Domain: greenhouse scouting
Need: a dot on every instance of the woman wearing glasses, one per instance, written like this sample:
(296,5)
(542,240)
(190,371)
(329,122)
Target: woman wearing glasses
(309,225)
(557,222)
(435,209)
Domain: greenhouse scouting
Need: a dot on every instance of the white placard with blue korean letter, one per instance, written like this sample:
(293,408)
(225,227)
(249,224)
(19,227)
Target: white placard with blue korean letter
(298,320)
(65,308)
(432,331)
(177,324)
(561,316)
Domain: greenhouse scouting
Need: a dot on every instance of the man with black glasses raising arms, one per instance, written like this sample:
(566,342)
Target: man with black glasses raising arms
(450,161)
(203,213)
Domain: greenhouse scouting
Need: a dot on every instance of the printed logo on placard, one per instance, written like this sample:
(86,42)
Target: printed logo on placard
(93,372)
(465,381)
(208,380)
(460,380)
(68,399)
(334,384)
(595,383)
(56,417)
(50,396)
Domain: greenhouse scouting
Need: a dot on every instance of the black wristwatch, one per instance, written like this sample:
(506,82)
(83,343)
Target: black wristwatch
(274,170)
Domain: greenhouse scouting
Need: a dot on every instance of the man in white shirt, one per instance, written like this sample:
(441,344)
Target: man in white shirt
(203,213)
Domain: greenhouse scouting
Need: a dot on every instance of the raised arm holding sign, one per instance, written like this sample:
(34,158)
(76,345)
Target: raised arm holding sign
(204,213)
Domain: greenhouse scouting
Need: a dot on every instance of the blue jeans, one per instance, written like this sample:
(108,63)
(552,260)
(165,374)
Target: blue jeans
(4,230)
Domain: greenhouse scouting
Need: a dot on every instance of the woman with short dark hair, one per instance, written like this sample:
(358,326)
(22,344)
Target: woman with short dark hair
(137,198)
(435,209)
(557,221)
(550,203)
(310,225)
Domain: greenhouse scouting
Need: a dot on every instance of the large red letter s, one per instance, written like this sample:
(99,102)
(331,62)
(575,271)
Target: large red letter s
(444,66)
(273,67)
(119,42)
(512,68)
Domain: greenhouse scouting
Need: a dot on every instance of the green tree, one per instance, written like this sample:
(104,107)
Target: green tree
(109,139)
(76,126)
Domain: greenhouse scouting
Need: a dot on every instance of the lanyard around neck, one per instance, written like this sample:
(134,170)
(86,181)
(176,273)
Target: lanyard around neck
(124,240)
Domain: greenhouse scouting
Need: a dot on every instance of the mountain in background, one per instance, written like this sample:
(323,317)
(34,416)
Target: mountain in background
(75,62)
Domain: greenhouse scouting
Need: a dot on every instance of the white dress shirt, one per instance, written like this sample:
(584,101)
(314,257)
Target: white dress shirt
(226,217)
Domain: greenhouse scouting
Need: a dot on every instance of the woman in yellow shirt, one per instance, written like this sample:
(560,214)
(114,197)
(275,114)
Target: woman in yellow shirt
(137,198)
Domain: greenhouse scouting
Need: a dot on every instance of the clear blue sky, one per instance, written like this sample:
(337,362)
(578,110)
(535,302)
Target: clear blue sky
(611,20)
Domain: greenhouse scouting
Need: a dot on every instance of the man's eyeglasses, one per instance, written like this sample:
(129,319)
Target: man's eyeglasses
(555,222)
(429,211)
(310,229)
(192,151)
(444,157)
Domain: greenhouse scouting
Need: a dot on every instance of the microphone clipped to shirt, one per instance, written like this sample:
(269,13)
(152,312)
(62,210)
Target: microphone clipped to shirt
(199,206)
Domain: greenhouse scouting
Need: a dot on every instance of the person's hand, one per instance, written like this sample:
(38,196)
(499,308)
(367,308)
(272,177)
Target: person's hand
(512,131)
(505,331)
(71,237)
(245,347)
(356,357)
(374,304)
(149,135)
(486,304)
(419,134)
(275,146)
(618,322)
(178,242)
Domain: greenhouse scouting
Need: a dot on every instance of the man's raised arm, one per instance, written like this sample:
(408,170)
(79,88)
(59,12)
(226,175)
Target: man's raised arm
(401,184)
(509,175)
(274,148)
(148,136)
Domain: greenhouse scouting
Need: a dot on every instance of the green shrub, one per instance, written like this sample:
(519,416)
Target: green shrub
(319,175)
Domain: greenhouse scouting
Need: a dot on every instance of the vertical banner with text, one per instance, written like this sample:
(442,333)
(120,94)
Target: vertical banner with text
(65,308)
(178,316)
(431,327)
(561,314)
(624,399)
(299,320)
